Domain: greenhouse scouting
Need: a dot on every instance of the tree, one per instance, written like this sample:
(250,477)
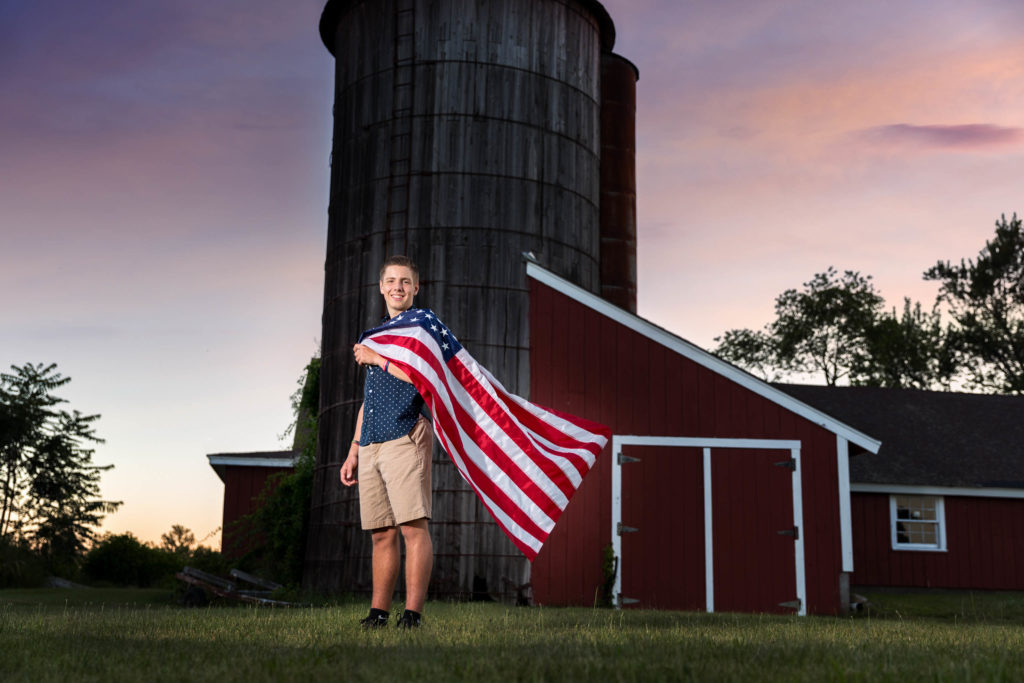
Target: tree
(178,541)
(49,488)
(824,327)
(818,330)
(985,298)
(836,328)
(907,350)
(754,350)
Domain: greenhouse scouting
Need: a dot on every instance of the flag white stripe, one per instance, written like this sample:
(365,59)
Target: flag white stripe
(479,457)
(542,444)
(495,509)
(521,459)
(565,426)
(472,459)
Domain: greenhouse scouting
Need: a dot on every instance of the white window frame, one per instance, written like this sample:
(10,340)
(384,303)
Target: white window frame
(940,522)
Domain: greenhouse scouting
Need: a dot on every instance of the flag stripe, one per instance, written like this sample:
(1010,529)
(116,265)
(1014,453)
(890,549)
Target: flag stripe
(529,544)
(484,464)
(523,461)
(549,423)
(502,429)
(517,432)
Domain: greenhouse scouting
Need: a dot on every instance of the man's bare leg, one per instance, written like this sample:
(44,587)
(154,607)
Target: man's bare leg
(419,561)
(385,563)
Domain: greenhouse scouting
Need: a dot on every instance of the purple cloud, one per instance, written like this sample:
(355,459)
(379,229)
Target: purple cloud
(956,136)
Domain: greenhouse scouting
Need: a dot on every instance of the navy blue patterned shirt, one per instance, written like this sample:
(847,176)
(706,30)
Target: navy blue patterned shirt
(390,407)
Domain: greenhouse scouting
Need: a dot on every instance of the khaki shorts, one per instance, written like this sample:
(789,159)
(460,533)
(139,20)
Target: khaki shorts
(394,478)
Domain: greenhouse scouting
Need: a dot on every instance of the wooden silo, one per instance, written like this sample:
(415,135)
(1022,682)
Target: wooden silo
(465,133)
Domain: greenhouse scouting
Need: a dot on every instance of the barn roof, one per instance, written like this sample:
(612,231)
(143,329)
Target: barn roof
(929,438)
(700,356)
(220,461)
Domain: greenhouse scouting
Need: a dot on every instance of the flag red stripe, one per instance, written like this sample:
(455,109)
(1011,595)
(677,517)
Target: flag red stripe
(549,431)
(501,416)
(446,422)
(552,434)
(523,546)
(510,423)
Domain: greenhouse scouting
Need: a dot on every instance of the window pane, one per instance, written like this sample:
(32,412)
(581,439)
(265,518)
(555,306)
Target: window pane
(915,508)
(920,533)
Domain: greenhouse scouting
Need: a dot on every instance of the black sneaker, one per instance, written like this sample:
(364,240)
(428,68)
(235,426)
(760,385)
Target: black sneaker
(409,619)
(375,620)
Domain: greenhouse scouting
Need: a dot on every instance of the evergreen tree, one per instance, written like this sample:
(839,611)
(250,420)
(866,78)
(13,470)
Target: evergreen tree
(49,488)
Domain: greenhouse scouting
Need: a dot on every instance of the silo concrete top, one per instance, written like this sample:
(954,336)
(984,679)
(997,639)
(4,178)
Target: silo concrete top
(334,9)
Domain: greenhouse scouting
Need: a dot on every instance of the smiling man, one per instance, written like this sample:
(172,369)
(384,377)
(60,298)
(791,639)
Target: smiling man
(390,460)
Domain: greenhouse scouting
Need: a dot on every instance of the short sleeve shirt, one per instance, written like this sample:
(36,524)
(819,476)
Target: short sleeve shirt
(390,407)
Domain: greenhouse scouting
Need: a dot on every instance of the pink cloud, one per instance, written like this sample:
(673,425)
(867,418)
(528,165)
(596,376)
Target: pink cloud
(962,136)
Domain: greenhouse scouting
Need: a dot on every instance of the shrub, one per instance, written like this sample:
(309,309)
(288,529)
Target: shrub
(19,566)
(123,560)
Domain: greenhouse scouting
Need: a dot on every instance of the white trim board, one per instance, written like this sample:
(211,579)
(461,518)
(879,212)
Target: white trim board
(699,356)
(979,492)
(845,511)
(249,462)
(707,444)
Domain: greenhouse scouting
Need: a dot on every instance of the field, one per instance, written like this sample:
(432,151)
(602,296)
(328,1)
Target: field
(135,635)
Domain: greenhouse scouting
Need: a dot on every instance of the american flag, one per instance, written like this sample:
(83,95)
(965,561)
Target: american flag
(522,460)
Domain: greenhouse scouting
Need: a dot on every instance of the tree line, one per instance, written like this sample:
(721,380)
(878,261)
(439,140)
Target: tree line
(838,329)
(50,501)
(51,505)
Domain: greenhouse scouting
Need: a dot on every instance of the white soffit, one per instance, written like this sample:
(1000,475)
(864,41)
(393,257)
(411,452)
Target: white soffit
(966,491)
(699,356)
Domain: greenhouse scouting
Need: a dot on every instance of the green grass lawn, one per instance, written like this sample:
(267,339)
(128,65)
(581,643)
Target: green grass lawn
(114,635)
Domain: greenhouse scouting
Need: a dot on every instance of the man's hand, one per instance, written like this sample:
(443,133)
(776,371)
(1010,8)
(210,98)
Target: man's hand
(349,470)
(367,356)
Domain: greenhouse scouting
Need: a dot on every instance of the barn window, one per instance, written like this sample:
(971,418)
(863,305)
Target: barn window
(918,522)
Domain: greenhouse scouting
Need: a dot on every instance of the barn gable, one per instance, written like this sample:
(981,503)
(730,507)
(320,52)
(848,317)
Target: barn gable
(593,359)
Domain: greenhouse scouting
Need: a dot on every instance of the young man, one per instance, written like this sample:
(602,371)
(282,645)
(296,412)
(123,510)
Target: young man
(390,460)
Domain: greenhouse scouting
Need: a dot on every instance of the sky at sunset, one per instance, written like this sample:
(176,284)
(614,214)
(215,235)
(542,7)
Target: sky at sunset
(164,174)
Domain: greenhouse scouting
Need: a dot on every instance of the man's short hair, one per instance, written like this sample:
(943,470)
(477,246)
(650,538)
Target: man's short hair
(399,260)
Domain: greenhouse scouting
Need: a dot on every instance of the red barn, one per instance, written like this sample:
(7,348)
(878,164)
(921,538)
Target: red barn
(942,502)
(244,475)
(719,491)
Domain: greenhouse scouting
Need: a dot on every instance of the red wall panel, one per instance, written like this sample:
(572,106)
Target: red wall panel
(585,363)
(242,488)
(984,546)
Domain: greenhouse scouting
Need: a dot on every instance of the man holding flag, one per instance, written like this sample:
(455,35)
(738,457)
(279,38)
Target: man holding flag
(523,461)
(390,459)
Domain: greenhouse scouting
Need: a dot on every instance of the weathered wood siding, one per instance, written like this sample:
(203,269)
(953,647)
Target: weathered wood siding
(984,541)
(465,133)
(590,365)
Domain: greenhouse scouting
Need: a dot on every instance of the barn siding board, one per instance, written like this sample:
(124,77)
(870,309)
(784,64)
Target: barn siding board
(970,561)
(242,488)
(644,388)
(820,518)
(667,573)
